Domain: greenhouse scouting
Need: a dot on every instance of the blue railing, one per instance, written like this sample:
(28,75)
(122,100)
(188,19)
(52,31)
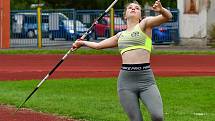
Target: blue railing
(61,27)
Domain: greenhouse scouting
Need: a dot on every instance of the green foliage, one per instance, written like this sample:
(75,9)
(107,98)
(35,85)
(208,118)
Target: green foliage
(165,3)
(212,32)
(83,4)
(23,4)
(212,36)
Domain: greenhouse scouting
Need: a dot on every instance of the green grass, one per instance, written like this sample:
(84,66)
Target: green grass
(60,51)
(97,100)
(107,52)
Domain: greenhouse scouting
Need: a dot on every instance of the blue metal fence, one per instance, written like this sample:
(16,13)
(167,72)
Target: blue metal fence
(57,27)
(168,32)
(61,27)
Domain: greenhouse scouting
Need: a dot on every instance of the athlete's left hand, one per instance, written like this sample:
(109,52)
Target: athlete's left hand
(157,7)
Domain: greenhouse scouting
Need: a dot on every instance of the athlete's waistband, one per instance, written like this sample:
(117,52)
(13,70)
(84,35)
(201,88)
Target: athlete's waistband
(135,67)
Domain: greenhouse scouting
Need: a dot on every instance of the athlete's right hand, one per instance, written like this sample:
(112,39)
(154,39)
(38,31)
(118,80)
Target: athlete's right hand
(77,44)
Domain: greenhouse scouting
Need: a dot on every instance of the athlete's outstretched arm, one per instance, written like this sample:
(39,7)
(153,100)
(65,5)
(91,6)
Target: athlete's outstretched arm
(164,16)
(107,43)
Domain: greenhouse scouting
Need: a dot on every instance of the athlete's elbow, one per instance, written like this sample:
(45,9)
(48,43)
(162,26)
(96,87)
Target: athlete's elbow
(170,16)
(167,18)
(98,46)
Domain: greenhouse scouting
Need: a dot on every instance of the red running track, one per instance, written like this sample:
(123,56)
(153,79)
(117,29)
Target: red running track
(28,67)
(7,113)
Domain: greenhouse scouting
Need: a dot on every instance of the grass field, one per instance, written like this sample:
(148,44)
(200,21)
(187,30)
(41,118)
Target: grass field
(107,52)
(184,98)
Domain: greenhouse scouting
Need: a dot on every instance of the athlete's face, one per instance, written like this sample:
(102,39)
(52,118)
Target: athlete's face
(133,11)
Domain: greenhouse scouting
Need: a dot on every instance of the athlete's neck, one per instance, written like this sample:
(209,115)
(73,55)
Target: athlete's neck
(131,23)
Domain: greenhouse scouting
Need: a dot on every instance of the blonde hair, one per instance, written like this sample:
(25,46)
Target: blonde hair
(126,5)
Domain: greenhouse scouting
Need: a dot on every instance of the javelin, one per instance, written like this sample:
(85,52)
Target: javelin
(65,56)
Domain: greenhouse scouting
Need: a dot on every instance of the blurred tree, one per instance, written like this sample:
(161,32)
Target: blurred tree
(83,4)
(23,4)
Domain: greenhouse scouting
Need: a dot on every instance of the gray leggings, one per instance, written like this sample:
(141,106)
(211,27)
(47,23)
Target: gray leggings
(135,85)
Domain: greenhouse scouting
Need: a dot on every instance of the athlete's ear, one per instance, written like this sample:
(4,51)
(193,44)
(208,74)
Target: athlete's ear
(125,17)
(140,19)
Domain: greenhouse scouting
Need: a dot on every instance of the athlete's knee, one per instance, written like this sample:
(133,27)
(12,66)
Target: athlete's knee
(134,117)
(157,117)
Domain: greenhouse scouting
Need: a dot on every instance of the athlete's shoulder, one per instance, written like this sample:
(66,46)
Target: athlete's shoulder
(119,34)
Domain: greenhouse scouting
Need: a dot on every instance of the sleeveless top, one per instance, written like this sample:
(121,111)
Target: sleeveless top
(135,39)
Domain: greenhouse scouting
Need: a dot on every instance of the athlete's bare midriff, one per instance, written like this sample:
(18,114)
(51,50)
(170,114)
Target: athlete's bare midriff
(137,56)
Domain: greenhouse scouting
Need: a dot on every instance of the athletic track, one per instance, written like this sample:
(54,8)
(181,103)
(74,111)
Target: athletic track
(28,67)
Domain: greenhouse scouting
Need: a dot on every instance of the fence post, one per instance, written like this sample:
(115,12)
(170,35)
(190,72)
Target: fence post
(1,21)
(4,23)
(112,22)
(39,25)
(74,21)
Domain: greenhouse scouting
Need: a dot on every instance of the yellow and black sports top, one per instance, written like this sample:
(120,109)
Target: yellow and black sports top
(135,39)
